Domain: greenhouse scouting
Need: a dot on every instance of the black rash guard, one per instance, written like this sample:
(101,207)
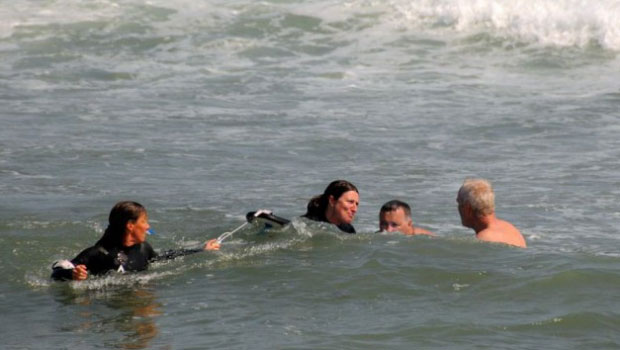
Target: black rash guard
(348,228)
(99,260)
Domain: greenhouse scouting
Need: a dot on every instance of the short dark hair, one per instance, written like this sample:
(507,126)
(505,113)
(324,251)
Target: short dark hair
(394,205)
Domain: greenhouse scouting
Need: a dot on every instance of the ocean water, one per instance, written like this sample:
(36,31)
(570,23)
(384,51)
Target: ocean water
(205,110)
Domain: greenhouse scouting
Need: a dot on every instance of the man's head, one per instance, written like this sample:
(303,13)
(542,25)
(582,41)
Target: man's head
(395,215)
(475,200)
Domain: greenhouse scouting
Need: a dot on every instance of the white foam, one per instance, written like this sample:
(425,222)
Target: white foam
(115,279)
(549,22)
(34,13)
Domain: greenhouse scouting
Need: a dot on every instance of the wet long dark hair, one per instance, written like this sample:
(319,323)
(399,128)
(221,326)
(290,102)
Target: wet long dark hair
(122,213)
(318,204)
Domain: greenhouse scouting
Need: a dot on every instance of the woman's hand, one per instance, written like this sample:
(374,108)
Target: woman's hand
(79,273)
(212,244)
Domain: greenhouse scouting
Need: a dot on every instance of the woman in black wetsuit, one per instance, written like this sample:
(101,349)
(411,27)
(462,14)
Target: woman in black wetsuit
(123,247)
(337,205)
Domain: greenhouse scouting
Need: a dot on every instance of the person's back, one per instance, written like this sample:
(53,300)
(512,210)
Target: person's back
(501,231)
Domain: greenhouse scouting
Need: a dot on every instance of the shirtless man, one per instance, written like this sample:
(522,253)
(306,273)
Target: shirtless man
(476,205)
(396,216)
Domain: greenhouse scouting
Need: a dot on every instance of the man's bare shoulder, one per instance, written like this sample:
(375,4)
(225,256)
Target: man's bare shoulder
(421,231)
(502,231)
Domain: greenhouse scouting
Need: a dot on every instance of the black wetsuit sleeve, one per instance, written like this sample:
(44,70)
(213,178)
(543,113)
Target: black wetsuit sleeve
(87,257)
(61,274)
(175,253)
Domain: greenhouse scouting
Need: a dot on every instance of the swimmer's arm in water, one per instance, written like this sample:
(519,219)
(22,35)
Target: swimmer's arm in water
(62,270)
(211,244)
(76,269)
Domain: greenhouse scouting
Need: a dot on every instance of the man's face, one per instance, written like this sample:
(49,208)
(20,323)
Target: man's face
(395,220)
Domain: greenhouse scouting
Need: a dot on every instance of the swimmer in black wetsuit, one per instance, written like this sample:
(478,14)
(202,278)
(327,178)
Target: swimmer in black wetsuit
(337,205)
(123,247)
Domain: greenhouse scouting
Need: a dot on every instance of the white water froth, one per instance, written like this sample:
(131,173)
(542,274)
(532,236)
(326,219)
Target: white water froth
(33,13)
(561,23)
(548,22)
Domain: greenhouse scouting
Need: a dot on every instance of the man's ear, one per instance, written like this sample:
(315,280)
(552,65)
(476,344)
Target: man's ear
(468,209)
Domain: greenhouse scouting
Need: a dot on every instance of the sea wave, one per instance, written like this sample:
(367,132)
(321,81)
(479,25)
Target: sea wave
(557,23)
(549,22)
